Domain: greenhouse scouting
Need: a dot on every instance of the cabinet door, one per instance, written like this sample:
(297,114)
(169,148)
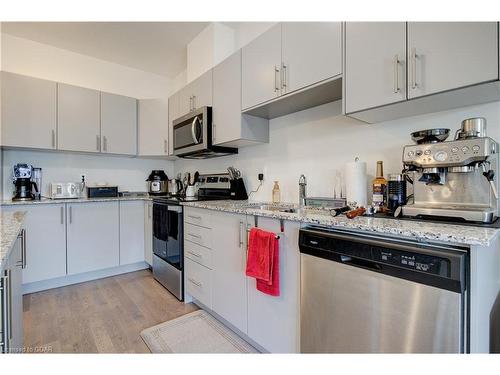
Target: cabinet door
(273,322)
(153,127)
(201,89)
(16,338)
(229,290)
(148,233)
(28,112)
(448,55)
(131,232)
(173,113)
(93,236)
(118,124)
(45,227)
(226,113)
(261,61)
(312,52)
(375,64)
(184,98)
(78,119)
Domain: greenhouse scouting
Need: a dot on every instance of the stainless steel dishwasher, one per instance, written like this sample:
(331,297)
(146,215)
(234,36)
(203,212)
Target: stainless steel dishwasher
(374,294)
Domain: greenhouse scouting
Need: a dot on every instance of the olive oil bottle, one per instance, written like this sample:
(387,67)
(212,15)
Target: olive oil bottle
(379,197)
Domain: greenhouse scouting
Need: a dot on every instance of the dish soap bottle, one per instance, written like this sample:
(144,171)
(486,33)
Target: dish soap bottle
(379,198)
(276,192)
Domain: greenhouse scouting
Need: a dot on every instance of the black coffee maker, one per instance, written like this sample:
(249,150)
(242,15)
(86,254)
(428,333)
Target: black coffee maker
(24,185)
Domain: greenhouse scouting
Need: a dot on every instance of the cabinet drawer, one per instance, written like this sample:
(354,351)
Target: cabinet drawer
(198,282)
(198,253)
(199,235)
(197,216)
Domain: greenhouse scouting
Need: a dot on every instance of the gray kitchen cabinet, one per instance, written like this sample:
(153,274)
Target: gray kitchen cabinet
(311,53)
(229,126)
(118,124)
(153,127)
(78,119)
(15,275)
(92,236)
(261,68)
(131,232)
(229,289)
(448,55)
(173,113)
(148,232)
(28,112)
(375,64)
(46,241)
(273,322)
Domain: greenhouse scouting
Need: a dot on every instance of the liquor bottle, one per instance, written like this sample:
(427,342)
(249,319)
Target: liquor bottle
(276,192)
(379,197)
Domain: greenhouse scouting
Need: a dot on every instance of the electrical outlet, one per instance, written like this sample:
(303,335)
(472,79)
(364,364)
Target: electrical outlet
(261,176)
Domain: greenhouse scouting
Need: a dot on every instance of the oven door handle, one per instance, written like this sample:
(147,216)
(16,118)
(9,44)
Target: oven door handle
(193,130)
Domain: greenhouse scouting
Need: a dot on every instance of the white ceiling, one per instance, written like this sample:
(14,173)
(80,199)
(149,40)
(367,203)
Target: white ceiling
(156,47)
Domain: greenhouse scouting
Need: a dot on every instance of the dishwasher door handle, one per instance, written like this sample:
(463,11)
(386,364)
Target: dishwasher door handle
(357,262)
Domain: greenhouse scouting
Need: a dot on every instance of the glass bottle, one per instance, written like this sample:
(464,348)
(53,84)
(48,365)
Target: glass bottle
(276,192)
(379,186)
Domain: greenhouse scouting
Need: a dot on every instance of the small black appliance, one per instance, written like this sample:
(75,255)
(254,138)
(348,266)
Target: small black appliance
(22,180)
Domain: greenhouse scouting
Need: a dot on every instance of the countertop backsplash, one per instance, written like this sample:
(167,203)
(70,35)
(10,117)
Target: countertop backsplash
(318,141)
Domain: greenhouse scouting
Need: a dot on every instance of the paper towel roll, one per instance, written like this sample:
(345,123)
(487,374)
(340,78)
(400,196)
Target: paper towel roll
(355,183)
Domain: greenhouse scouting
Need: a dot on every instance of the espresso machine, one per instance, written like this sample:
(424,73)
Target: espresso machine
(454,180)
(25,179)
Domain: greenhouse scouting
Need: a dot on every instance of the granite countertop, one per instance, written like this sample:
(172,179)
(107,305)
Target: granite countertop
(78,200)
(10,226)
(421,230)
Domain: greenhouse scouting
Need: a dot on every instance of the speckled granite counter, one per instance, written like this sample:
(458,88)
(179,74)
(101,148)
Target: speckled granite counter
(82,200)
(10,226)
(429,231)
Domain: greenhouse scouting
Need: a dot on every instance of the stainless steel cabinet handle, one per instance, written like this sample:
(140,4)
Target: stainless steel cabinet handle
(165,146)
(62,215)
(190,104)
(396,73)
(22,237)
(98,142)
(194,254)
(9,273)
(213,132)
(105,143)
(276,72)
(284,78)
(4,339)
(149,211)
(194,235)
(53,139)
(241,234)
(195,217)
(70,214)
(414,68)
(194,102)
(197,283)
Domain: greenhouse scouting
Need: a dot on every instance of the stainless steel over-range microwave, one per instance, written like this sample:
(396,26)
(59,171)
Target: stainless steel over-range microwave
(193,136)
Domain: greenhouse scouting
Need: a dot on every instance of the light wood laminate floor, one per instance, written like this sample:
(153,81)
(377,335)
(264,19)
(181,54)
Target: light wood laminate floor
(101,316)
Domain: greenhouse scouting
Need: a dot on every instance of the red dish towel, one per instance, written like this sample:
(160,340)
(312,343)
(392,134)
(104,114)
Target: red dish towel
(263,261)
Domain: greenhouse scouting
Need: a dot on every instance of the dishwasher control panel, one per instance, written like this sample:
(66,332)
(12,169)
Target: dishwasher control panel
(419,262)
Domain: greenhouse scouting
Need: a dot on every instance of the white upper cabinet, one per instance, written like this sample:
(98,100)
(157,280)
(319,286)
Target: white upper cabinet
(131,232)
(375,64)
(184,101)
(153,127)
(173,113)
(229,285)
(311,53)
(261,67)
(78,114)
(118,124)
(28,112)
(229,126)
(92,236)
(448,55)
(201,90)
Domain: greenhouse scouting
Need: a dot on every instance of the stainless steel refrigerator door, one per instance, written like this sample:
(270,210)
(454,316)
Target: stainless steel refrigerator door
(346,309)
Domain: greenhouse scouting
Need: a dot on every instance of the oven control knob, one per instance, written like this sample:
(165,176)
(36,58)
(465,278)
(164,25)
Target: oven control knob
(427,152)
(475,148)
(411,154)
(419,152)
(465,149)
(440,156)
(454,149)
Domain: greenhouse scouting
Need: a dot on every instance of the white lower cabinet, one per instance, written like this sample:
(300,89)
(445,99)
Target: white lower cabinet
(273,322)
(148,233)
(45,241)
(198,282)
(131,232)
(15,275)
(92,236)
(229,289)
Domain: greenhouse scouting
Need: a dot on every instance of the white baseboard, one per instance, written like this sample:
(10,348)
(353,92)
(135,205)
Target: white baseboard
(82,277)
